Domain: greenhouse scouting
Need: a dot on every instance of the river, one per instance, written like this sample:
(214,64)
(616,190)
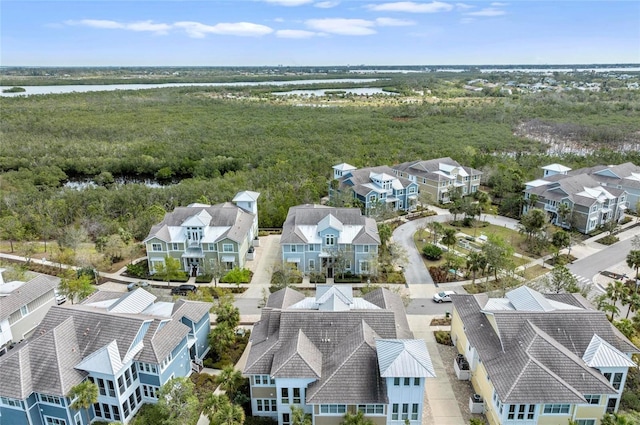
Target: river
(31,90)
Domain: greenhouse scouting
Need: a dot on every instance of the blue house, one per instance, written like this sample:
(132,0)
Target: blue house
(321,239)
(375,187)
(128,345)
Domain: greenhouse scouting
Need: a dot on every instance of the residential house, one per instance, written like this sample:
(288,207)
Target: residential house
(440,177)
(22,307)
(317,238)
(334,354)
(203,237)
(128,345)
(587,202)
(622,176)
(374,187)
(540,359)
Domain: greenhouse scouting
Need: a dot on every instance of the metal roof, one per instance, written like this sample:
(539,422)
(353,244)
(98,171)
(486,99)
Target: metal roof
(404,358)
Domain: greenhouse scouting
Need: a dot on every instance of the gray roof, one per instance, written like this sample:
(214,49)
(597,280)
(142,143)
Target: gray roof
(429,167)
(25,293)
(336,347)
(46,362)
(356,178)
(226,214)
(536,354)
(312,214)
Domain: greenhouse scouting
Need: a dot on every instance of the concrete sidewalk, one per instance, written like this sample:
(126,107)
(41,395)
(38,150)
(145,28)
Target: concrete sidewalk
(267,257)
(440,406)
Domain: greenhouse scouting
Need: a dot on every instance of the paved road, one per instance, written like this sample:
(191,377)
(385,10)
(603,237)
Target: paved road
(601,260)
(422,306)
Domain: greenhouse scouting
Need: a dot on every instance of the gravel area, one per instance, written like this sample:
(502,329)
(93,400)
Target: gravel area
(462,389)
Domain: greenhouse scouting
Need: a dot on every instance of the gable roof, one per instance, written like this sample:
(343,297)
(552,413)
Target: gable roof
(20,294)
(335,347)
(404,358)
(538,348)
(435,169)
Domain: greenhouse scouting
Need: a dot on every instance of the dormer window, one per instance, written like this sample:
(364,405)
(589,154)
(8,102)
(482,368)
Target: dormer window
(330,240)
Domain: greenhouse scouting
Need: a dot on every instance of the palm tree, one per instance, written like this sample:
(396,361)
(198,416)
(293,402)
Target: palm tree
(617,291)
(436,229)
(356,419)
(83,396)
(475,263)
(633,261)
(228,414)
(633,301)
(449,238)
(298,417)
(564,212)
(229,380)
(213,403)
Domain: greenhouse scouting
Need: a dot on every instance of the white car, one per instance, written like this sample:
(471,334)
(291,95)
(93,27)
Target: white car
(60,298)
(443,297)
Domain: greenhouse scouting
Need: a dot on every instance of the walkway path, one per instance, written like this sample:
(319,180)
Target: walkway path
(267,257)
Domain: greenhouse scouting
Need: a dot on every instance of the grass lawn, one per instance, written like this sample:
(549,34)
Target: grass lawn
(481,286)
(532,272)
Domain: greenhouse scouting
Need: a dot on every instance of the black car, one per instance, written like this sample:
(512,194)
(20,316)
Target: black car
(183,289)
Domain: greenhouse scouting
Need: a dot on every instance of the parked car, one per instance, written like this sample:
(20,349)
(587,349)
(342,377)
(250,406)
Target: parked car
(183,289)
(60,298)
(443,297)
(133,285)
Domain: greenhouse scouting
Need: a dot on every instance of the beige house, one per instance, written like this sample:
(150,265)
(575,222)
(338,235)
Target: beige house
(439,177)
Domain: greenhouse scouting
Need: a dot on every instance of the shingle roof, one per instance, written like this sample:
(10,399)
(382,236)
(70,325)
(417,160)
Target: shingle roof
(26,293)
(337,347)
(535,355)
(284,298)
(429,168)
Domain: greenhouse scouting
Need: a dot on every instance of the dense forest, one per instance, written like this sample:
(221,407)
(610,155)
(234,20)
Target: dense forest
(205,144)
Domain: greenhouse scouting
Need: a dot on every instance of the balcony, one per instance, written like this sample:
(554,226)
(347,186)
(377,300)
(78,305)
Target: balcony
(551,208)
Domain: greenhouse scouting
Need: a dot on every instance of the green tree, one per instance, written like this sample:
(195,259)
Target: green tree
(449,238)
(475,263)
(633,301)
(357,418)
(384,230)
(229,380)
(298,417)
(633,260)
(11,229)
(169,270)
(560,240)
(74,287)
(436,230)
(212,404)
(83,396)
(228,414)
(560,280)
(222,338)
(498,254)
(565,213)
(432,252)
(616,419)
(225,311)
(178,402)
(533,222)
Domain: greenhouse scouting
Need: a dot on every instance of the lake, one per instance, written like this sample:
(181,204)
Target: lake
(31,90)
(362,91)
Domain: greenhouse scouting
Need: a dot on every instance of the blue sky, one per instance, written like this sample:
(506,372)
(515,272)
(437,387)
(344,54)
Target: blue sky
(317,32)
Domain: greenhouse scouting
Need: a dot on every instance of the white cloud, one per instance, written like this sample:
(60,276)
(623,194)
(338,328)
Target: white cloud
(295,34)
(467,20)
(464,6)
(288,2)
(193,29)
(243,29)
(391,22)
(326,4)
(141,26)
(411,7)
(278,20)
(489,11)
(498,4)
(342,26)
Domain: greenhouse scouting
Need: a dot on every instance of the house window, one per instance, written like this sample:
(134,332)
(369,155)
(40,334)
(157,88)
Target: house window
(267,405)
(405,411)
(412,189)
(101,387)
(617,380)
(112,388)
(45,398)
(120,385)
(556,409)
(394,412)
(150,391)
(227,247)
(12,402)
(312,264)
(263,380)
(364,267)
(116,413)
(125,408)
(347,265)
(311,247)
(106,411)
(371,409)
(396,381)
(138,395)
(293,248)
(585,422)
(407,382)
(134,371)
(416,381)
(97,410)
(174,246)
(132,401)
(330,240)
(54,421)
(284,394)
(296,396)
(592,399)
(333,409)
(127,377)
(414,412)
(24,310)
(365,248)
(286,419)
(156,247)
(611,405)
(521,411)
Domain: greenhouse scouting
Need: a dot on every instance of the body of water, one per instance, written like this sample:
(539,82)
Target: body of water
(364,91)
(31,90)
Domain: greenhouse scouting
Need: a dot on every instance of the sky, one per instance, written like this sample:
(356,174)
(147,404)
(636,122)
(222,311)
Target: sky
(317,32)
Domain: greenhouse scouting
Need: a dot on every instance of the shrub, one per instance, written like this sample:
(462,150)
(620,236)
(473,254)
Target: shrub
(432,252)
(317,278)
(608,240)
(237,276)
(626,219)
(214,292)
(204,278)
(259,420)
(138,270)
(443,337)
